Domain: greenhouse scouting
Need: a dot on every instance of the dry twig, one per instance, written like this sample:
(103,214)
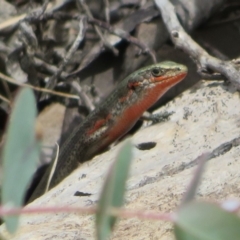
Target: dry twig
(82,29)
(183,41)
(98,31)
(13,81)
(124,35)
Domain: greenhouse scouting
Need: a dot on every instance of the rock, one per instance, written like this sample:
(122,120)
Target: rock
(205,117)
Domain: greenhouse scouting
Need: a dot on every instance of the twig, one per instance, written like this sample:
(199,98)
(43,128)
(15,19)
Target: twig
(141,214)
(82,29)
(5,100)
(38,13)
(13,81)
(118,212)
(51,69)
(7,91)
(83,96)
(107,17)
(53,167)
(183,41)
(44,7)
(107,14)
(124,35)
(4,211)
(105,42)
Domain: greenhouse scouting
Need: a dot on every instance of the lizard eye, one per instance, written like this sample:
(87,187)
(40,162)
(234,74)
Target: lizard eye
(156,72)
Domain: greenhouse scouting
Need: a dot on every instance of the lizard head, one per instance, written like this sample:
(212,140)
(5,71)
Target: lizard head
(164,74)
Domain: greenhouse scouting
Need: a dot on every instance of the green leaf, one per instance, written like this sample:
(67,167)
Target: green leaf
(20,154)
(113,192)
(206,221)
(195,182)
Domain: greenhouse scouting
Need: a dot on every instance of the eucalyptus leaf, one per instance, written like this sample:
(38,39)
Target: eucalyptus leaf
(20,154)
(113,192)
(206,221)
(196,179)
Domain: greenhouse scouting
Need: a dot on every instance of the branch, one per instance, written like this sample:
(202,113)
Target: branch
(82,29)
(98,31)
(183,41)
(124,35)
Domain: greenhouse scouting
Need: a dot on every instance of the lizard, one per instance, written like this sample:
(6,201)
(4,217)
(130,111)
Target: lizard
(115,116)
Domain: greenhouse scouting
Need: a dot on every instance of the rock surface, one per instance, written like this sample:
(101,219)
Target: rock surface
(205,117)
